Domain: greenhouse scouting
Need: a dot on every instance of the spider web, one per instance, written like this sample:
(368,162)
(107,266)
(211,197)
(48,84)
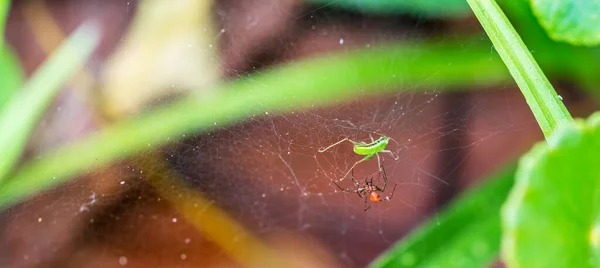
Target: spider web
(268,171)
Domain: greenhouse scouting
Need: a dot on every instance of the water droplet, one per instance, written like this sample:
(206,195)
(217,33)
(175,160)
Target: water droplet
(341,41)
(122,260)
(174,219)
(560,97)
(183,256)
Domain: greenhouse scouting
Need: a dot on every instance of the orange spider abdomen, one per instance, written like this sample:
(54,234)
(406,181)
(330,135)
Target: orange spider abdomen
(375,197)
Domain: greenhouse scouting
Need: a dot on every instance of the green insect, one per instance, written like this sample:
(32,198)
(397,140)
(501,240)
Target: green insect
(367,149)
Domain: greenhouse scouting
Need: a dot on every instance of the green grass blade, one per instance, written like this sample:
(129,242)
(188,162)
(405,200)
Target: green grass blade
(11,75)
(466,234)
(548,109)
(22,112)
(421,8)
(4,7)
(303,85)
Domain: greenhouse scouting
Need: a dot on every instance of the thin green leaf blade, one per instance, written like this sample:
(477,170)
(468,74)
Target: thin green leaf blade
(551,218)
(574,21)
(4,7)
(24,109)
(466,234)
(427,8)
(546,105)
(11,75)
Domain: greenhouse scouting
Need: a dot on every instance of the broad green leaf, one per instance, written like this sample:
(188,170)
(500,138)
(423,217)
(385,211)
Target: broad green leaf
(551,218)
(573,21)
(22,112)
(466,234)
(11,74)
(428,8)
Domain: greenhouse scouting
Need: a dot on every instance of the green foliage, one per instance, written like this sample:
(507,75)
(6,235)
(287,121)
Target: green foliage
(558,59)
(11,74)
(22,112)
(428,8)
(573,21)
(465,234)
(551,217)
(548,109)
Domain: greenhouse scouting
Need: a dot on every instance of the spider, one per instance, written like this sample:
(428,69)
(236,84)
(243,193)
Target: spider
(369,191)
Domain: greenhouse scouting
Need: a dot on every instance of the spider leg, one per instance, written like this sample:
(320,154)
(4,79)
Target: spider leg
(321,150)
(353,180)
(392,195)
(360,192)
(385,179)
(366,208)
(389,152)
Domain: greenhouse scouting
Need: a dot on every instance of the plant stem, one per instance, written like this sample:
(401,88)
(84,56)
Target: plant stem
(546,105)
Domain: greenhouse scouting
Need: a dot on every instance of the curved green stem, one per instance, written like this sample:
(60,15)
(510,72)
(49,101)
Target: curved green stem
(546,105)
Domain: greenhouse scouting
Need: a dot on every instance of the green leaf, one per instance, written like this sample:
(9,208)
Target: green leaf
(21,114)
(548,109)
(466,234)
(551,218)
(308,84)
(11,74)
(573,21)
(427,8)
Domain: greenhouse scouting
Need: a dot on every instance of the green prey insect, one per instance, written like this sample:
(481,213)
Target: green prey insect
(367,149)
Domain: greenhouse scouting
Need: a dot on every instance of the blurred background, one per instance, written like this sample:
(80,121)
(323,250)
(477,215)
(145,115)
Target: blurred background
(256,191)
